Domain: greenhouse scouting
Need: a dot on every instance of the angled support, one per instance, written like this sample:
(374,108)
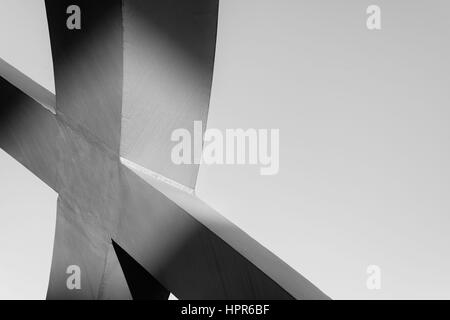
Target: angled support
(134,72)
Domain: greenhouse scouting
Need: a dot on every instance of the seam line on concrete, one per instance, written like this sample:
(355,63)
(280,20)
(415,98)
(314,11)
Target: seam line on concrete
(157,176)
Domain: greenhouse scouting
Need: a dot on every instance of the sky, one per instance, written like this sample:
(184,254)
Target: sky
(364,143)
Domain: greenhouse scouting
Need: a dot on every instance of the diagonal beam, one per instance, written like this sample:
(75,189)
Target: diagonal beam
(31,88)
(102,114)
(28,132)
(196,253)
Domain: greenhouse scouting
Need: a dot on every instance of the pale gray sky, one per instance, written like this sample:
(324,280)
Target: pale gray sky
(364,164)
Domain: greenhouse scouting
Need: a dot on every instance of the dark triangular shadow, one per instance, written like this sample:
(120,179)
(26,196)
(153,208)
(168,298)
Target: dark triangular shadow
(142,285)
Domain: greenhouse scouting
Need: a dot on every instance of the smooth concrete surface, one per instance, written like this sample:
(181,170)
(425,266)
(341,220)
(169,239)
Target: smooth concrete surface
(169,49)
(183,244)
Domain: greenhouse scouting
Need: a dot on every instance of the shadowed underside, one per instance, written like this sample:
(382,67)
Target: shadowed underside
(135,71)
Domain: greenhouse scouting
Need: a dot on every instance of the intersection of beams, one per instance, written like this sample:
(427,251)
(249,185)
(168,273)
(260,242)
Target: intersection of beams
(127,215)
